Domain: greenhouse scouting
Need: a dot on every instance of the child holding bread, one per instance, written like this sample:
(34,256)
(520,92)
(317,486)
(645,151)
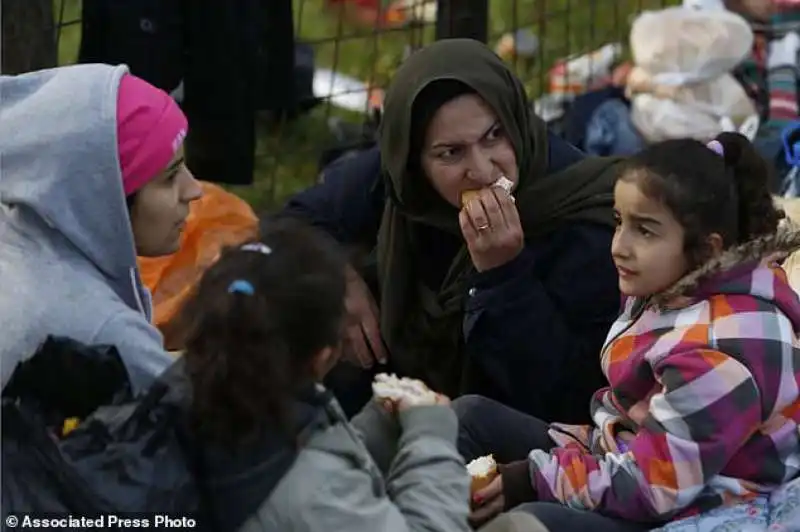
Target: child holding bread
(265,326)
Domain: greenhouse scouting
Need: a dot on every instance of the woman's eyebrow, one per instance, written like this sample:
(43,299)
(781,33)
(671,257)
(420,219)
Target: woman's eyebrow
(174,166)
(446,144)
(491,128)
(453,144)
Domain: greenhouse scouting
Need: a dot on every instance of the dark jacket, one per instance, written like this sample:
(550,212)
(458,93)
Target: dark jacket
(533,327)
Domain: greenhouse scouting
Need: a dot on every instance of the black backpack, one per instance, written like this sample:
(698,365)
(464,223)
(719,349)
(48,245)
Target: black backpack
(127,454)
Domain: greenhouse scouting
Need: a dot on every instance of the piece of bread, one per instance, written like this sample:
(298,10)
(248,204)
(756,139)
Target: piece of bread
(483,471)
(503,182)
(393,388)
(468,195)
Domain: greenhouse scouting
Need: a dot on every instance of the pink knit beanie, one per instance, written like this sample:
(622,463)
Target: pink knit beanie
(150,130)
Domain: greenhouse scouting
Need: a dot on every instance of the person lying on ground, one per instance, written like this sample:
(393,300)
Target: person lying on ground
(263,328)
(703,407)
(92,174)
(508,292)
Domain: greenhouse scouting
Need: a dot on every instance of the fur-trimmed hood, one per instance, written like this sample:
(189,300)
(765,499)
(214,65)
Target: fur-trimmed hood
(724,274)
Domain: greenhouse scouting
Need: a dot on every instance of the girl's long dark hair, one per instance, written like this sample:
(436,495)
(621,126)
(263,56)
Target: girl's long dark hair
(256,322)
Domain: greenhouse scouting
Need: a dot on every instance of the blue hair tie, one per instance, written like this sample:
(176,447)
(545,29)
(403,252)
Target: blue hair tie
(241,286)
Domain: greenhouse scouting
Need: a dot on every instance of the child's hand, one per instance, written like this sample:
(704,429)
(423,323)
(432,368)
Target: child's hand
(488,502)
(429,400)
(398,394)
(406,403)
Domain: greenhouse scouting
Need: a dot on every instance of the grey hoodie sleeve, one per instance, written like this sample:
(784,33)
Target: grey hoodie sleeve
(427,488)
(139,344)
(379,432)
(428,472)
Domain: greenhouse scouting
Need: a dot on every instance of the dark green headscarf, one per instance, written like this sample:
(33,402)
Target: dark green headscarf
(423,327)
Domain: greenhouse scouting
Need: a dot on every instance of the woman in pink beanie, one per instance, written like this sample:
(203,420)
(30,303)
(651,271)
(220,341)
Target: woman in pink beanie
(93,175)
(157,185)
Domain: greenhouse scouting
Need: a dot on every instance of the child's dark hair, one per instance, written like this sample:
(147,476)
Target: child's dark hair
(255,322)
(707,192)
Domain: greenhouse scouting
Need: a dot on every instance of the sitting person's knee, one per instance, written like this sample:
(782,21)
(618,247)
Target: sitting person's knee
(469,406)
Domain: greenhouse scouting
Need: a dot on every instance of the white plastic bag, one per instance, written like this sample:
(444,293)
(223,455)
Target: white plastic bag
(690,52)
(679,45)
(696,111)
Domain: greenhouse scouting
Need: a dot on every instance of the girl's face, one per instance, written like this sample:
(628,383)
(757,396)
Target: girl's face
(648,245)
(466,148)
(160,209)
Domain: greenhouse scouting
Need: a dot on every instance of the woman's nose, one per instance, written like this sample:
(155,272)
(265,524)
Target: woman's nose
(482,168)
(190,187)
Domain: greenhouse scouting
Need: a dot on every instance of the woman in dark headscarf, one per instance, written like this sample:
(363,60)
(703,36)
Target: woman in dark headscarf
(507,297)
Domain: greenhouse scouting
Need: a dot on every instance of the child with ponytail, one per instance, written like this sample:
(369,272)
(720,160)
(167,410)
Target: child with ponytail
(703,407)
(263,328)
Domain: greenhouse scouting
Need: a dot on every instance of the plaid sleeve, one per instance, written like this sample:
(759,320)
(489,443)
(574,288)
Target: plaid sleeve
(707,409)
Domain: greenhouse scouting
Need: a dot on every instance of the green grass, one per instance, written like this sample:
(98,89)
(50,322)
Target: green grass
(287,154)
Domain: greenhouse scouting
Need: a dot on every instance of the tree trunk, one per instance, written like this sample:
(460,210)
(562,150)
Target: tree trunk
(28,36)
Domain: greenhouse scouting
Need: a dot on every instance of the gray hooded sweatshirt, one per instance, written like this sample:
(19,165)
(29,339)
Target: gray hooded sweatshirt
(67,255)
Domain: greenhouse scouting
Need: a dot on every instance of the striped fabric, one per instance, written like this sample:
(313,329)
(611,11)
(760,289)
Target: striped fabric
(782,79)
(709,383)
(782,84)
(773,89)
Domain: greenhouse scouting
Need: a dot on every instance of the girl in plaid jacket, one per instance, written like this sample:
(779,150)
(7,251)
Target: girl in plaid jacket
(703,404)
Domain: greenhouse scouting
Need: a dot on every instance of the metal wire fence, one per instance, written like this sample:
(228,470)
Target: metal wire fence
(358,44)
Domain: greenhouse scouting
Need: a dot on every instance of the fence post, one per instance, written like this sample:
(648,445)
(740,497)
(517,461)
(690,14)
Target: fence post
(462,18)
(28,36)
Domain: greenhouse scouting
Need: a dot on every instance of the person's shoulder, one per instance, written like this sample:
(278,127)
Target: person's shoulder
(561,154)
(734,318)
(67,301)
(357,166)
(138,342)
(122,321)
(583,229)
(65,287)
(587,237)
(135,337)
(333,473)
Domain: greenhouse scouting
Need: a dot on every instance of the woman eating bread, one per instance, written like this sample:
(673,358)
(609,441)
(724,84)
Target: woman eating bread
(489,240)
